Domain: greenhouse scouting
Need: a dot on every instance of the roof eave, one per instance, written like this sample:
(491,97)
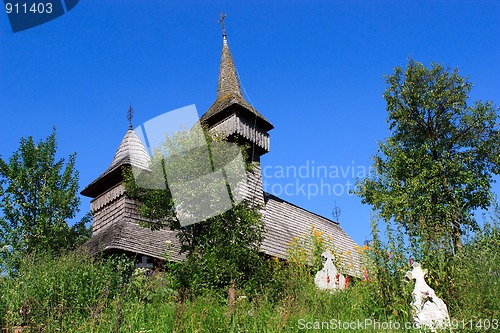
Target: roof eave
(221,110)
(107,180)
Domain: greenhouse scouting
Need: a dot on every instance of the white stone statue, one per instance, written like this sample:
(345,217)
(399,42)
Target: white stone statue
(329,277)
(429,311)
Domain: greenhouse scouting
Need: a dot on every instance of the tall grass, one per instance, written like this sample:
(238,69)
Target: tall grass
(49,289)
(75,293)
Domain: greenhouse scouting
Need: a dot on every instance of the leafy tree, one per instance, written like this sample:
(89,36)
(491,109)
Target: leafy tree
(436,167)
(221,250)
(38,194)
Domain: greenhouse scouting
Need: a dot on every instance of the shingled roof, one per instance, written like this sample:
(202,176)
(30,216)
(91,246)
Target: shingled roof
(229,94)
(284,221)
(131,152)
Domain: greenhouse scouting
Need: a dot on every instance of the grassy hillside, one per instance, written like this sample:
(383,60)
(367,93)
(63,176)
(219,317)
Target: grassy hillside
(75,293)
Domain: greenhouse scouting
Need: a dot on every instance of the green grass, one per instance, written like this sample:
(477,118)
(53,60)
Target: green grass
(75,293)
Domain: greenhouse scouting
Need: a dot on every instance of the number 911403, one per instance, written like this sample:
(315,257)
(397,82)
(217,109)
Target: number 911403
(24,8)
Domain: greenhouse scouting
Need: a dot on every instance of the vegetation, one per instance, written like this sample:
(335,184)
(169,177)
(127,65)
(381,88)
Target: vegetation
(222,250)
(436,168)
(38,195)
(74,293)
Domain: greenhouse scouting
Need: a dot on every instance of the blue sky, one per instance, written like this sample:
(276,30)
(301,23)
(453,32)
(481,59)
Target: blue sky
(313,68)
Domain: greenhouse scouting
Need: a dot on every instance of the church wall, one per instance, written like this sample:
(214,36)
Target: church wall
(253,191)
(107,208)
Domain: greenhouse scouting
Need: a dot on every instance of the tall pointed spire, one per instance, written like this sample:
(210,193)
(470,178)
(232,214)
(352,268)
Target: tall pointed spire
(229,95)
(229,85)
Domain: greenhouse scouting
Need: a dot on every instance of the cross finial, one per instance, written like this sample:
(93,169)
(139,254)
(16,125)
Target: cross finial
(130,115)
(336,212)
(221,21)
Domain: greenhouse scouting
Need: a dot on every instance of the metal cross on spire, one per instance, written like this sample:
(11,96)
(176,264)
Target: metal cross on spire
(221,21)
(130,115)
(336,212)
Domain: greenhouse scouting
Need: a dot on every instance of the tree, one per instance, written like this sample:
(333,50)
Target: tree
(38,194)
(436,167)
(221,250)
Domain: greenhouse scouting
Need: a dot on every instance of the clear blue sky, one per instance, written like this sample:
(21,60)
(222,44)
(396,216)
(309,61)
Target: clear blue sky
(314,69)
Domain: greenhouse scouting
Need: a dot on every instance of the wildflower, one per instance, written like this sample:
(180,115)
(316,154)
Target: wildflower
(351,266)
(365,247)
(347,280)
(348,253)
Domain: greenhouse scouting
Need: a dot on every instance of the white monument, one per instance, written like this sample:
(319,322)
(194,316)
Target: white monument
(429,311)
(329,278)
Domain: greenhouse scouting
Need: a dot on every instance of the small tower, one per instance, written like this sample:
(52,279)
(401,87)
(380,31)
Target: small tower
(231,114)
(109,202)
(116,226)
(235,118)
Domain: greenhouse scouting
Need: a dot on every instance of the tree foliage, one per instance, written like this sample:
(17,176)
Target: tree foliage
(38,195)
(436,167)
(220,250)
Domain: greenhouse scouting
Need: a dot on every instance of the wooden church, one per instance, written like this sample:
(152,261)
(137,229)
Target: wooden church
(115,227)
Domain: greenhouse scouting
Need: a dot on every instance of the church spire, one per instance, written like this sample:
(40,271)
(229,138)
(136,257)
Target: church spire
(231,113)
(229,85)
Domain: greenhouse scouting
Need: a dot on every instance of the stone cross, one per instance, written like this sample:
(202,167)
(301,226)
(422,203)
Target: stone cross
(429,311)
(329,278)
(144,263)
